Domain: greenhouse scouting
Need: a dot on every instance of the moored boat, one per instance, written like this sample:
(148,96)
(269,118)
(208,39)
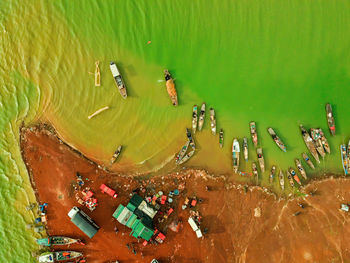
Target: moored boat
(281,177)
(170,87)
(300,168)
(316,136)
(221,138)
(277,139)
(324,141)
(194,118)
(58,256)
(272,173)
(58,241)
(290,179)
(182,152)
(245,149)
(344,158)
(255,172)
(186,157)
(118,80)
(97,74)
(261,159)
(201,117)
(189,135)
(294,175)
(235,155)
(116,154)
(212,121)
(253,133)
(309,143)
(330,118)
(308,160)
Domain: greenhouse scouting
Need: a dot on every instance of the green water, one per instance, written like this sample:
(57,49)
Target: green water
(275,62)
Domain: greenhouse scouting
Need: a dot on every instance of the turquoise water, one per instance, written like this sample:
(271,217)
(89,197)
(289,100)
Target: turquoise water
(273,62)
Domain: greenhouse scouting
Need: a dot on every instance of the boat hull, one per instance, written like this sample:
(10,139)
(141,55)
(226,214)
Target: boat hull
(194,118)
(201,117)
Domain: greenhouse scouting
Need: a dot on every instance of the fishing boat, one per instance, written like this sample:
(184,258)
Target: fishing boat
(245,149)
(290,179)
(300,168)
(116,154)
(281,177)
(261,159)
(344,158)
(118,80)
(97,74)
(324,141)
(277,139)
(294,175)
(194,118)
(189,135)
(308,160)
(182,152)
(235,155)
(272,173)
(58,256)
(170,87)
(253,133)
(212,121)
(58,241)
(309,143)
(186,157)
(315,134)
(201,117)
(330,118)
(255,172)
(221,138)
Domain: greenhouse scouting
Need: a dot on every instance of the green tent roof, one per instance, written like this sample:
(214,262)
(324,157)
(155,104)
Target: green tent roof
(136,200)
(84,225)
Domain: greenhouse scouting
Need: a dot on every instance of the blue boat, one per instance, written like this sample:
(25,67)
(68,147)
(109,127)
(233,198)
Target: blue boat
(344,158)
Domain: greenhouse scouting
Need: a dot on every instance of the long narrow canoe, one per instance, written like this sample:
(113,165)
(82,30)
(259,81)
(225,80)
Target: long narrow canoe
(201,117)
(308,160)
(235,155)
(330,118)
(194,118)
(118,80)
(261,159)
(277,139)
(344,158)
(253,133)
(245,149)
(212,121)
(300,168)
(281,177)
(170,87)
(272,173)
(309,143)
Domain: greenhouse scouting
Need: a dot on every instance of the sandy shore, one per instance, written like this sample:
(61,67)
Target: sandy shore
(245,224)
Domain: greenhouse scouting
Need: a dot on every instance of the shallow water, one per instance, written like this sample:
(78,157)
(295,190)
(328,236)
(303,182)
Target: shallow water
(272,62)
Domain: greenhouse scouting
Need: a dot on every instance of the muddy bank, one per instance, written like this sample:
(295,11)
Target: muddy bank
(244,224)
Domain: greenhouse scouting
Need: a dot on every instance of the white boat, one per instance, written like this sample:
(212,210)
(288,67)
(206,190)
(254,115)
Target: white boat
(255,172)
(194,118)
(201,117)
(118,80)
(281,177)
(212,121)
(245,149)
(235,155)
(272,173)
(261,159)
(301,168)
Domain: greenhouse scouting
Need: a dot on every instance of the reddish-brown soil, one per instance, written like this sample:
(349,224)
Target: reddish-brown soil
(237,233)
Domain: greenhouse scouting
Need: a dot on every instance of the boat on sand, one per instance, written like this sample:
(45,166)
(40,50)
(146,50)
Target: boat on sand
(245,149)
(272,173)
(290,179)
(316,136)
(261,159)
(116,154)
(212,121)
(309,143)
(221,138)
(235,155)
(58,256)
(194,118)
(118,80)
(294,175)
(277,139)
(344,158)
(201,117)
(300,168)
(170,87)
(186,157)
(253,133)
(182,152)
(255,172)
(308,160)
(330,118)
(58,241)
(281,177)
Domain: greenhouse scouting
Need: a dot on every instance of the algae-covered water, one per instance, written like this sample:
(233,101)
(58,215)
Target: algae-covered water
(274,62)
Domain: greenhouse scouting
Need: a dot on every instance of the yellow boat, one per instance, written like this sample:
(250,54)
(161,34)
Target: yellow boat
(170,87)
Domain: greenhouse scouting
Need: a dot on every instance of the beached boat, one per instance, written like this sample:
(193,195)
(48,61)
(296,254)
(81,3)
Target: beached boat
(281,177)
(194,118)
(316,136)
(344,158)
(186,157)
(308,160)
(255,172)
(58,256)
(300,168)
(324,141)
(97,74)
(118,80)
(277,139)
(201,117)
(170,87)
(212,121)
(57,241)
(245,149)
(253,133)
(309,143)
(290,179)
(221,138)
(330,118)
(182,152)
(294,175)
(272,173)
(261,159)
(116,154)
(235,155)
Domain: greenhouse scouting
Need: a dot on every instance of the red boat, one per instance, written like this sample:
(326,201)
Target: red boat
(105,189)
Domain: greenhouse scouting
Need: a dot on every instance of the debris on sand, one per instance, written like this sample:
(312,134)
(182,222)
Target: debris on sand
(257,212)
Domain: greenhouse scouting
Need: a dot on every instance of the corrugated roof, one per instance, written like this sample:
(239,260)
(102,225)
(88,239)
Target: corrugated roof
(131,220)
(84,225)
(131,207)
(136,200)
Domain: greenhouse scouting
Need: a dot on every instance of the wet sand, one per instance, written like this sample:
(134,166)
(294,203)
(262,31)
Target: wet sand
(245,224)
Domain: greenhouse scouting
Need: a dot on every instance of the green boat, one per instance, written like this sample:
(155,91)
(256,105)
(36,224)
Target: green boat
(58,241)
(58,256)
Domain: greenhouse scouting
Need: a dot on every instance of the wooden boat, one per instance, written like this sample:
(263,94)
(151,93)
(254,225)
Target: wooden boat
(315,135)
(116,154)
(221,138)
(201,117)
(97,74)
(182,152)
(58,256)
(272,173)
(281,177)
(308,160)
(212,121)
(235,155)
(194,118)
(58,241)
(253,133)
(324,141)
(294,175)
(170,87)
(261,159)
(255,172)
(300,168)
(344,158)
(290,179)
(245,149)
(309,143)
(118,80)
(186,157)
(277,139)
(330,119)
(189,135)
